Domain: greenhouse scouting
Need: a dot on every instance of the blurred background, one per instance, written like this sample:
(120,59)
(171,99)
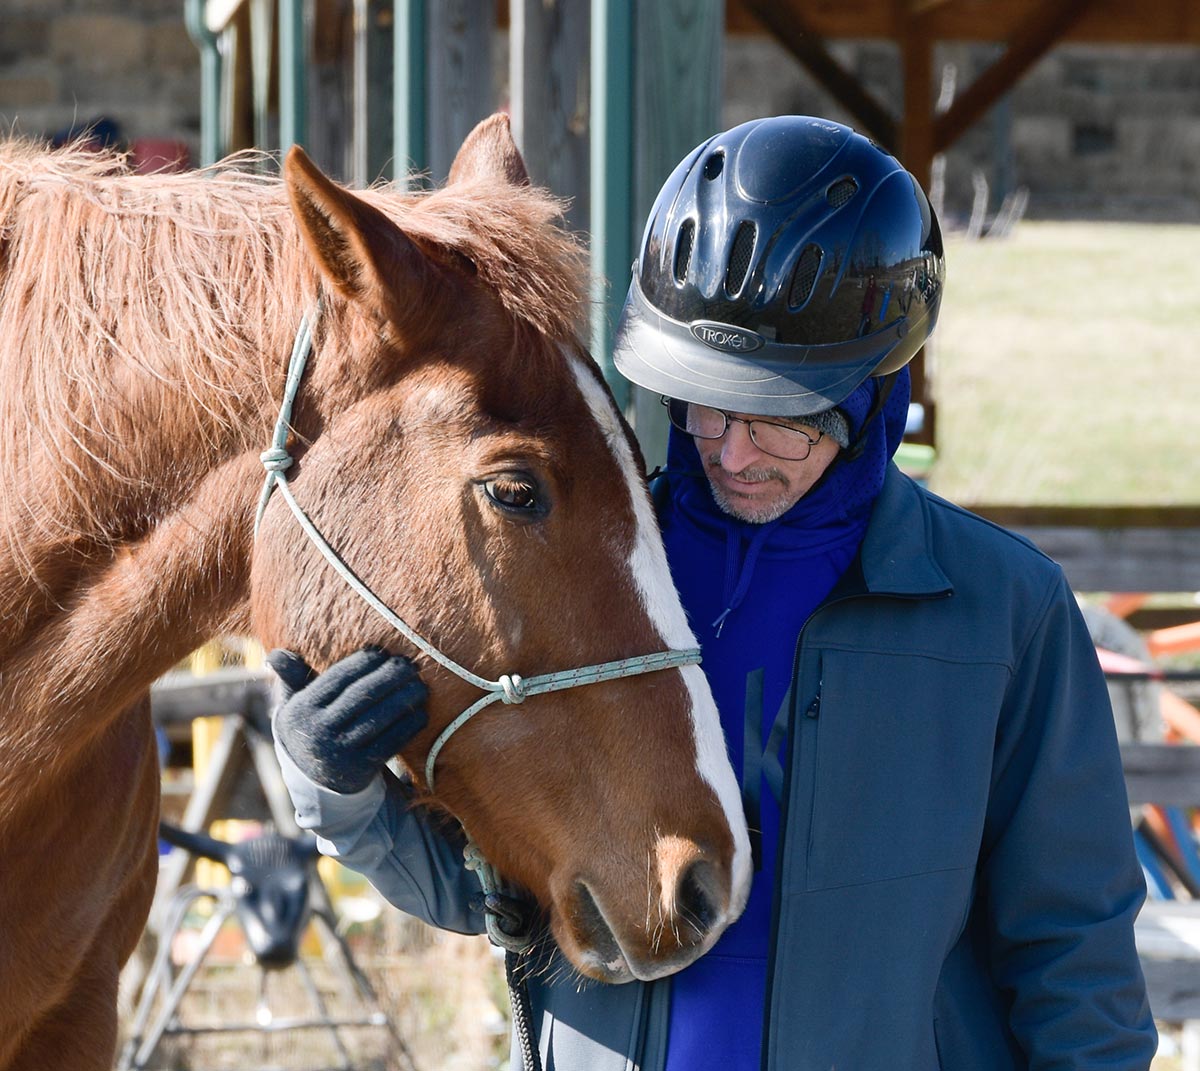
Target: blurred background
(1060,143)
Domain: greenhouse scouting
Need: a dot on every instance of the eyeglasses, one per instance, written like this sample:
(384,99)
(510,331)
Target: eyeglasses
(778,440)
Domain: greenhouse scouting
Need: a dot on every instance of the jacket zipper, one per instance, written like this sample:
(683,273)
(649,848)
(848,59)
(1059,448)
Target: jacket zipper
(812,714)
(812,711)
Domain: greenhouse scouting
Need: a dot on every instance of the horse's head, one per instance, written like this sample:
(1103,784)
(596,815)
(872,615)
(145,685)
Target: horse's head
(461,452)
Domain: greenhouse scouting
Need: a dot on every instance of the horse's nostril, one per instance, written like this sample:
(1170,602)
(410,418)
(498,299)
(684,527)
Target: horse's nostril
(590,922)
(698,896)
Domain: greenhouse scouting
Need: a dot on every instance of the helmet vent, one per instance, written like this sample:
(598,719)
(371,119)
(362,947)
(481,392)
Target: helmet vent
(739,258)
(804,276)
(714,165)
(683,249)
(841,192)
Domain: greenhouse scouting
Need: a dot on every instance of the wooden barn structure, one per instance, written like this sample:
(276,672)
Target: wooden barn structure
(605,97)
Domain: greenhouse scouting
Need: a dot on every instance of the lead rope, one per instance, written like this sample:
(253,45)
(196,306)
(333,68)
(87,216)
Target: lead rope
(498,907)
(509,688)
(522,1013)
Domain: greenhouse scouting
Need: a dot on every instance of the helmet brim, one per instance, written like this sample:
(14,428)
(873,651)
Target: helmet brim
(774,379)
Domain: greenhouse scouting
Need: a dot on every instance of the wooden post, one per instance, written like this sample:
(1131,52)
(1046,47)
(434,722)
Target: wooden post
(916,152)
(611,175)
(677,105)
(409,141)
(548,76)
(460,76)
(373,92)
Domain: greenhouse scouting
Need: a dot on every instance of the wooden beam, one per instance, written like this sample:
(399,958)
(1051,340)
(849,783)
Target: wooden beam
(1166,774)
(1041,31)
(1166,516)
(459,58)
(916,152)
(676,106)
(1112,548)
(185,696)
(612,48)
(373,91)
(1123,559)
(922,7)
(787,21)
(916,148)
(1160,22)
(548,88)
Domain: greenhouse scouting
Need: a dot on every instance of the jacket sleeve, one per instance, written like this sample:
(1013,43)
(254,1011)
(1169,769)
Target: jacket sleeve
(415,861)
(1058,869)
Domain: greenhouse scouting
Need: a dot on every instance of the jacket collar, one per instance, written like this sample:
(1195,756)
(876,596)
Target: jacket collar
(897,556)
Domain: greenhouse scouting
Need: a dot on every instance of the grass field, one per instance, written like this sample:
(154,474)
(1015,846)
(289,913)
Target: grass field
(1067,368)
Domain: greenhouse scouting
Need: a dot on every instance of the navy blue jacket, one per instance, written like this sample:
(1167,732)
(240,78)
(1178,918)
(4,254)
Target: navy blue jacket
(956,881)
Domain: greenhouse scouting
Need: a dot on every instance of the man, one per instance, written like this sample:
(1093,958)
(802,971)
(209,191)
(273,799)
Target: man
(945,874)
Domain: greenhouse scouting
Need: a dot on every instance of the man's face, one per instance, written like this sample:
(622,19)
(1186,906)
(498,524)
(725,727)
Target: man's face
(754,486)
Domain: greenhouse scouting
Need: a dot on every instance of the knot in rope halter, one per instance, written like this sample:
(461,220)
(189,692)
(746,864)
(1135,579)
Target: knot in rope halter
(509,688)
(276,459)
(513,688)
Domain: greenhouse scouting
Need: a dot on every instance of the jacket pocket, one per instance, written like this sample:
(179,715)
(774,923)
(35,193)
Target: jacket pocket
(903,765)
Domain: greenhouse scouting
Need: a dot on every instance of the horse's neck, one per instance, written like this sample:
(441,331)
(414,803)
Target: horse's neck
(124,573)
(127,622)
(72,508)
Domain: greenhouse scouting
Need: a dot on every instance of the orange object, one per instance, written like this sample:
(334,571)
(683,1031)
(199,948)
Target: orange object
(1122,603)
(1181,717)
(1174,640)
(1158,824)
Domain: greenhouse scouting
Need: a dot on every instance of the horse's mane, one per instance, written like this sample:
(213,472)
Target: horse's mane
(113,284)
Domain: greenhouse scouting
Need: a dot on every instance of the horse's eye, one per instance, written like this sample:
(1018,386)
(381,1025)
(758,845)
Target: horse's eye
(512,493)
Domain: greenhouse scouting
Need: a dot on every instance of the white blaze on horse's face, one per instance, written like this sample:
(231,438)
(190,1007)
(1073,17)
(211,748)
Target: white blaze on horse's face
(650,572)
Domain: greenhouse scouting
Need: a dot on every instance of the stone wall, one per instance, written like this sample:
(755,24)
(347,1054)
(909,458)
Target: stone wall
(64,63)
(1092,132)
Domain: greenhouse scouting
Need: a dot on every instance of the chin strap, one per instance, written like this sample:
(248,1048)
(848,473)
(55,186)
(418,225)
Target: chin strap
(886,383)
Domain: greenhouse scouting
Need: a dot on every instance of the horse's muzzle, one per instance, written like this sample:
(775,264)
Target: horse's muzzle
(678,921)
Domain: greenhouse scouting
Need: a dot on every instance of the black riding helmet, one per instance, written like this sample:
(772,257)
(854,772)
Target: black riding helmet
(784,262)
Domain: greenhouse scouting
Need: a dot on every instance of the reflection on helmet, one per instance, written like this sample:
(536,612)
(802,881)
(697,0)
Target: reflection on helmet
(784,262)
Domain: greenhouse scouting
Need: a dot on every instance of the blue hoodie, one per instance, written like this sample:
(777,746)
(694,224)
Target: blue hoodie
(748,589)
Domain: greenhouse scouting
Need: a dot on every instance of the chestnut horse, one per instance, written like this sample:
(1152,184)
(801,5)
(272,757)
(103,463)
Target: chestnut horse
(455,444)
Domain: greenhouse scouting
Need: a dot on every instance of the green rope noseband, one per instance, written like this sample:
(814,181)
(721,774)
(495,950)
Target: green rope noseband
(510,688)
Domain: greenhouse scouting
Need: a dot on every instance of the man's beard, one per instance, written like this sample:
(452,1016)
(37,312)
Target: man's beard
(743,509)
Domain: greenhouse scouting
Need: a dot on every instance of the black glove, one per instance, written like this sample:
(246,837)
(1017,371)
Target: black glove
(341,728)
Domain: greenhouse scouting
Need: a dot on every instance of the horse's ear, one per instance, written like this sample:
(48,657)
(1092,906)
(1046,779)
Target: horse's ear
(490,153)
(362,252)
